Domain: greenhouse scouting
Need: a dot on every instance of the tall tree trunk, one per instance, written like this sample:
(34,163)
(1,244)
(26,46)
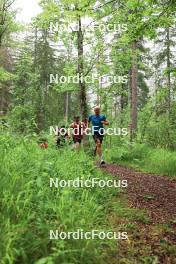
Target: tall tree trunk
(122,102)
(67,94)
(83,100)
(66,106)
(133,84)
(168,71)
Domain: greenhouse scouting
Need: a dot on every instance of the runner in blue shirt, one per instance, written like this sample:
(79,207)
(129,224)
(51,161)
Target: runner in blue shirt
(98,121)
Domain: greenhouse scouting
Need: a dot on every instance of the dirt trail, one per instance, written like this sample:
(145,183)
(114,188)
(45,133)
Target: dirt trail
(155,194)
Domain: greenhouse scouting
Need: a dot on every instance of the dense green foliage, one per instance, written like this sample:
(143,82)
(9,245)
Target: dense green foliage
(139,45)
(31,208)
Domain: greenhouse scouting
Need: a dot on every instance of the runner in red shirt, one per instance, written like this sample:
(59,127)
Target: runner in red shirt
(78,129)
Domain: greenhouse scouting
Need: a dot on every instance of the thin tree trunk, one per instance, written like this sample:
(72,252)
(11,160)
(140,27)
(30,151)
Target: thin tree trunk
(83,100)
(122,102)
(134,70)
(168,71)
(66,106)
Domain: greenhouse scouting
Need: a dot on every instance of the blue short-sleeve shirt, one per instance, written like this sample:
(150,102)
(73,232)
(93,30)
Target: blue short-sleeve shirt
(96,122)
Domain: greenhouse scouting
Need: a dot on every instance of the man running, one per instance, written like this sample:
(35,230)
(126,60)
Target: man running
(98,121)
(78,132)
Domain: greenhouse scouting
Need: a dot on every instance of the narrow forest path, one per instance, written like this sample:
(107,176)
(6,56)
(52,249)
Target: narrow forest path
(152,241)
(155,194)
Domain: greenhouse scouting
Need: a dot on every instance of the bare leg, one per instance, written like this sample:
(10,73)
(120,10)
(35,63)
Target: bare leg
(99,151)
(98,148)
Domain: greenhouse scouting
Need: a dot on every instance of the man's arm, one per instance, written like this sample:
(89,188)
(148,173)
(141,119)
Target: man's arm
(105,121)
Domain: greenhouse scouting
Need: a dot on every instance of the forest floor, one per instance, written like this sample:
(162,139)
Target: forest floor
(155,194)
(154,240)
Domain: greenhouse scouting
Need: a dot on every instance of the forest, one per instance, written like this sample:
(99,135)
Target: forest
(76,62)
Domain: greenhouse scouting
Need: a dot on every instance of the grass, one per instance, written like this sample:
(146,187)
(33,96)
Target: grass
(145,158)
(31,208)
